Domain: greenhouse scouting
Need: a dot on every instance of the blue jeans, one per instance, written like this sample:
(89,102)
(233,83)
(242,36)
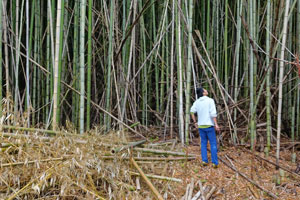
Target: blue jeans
(210,134)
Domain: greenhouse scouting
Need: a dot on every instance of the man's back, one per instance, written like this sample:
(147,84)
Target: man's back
(205,109)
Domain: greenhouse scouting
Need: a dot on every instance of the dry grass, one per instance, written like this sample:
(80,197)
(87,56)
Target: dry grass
(77,173)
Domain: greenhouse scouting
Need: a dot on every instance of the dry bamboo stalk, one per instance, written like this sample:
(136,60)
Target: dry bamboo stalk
(138,185)
(12,196)
(30,162)
(202,197)
(149,158)
(248,179)
(87,190)
(213,189)
(153,189)
(42,138)
(158,177)
(186,192)
(284,168)
(92,183)
(190,194)
(116,150)
(33,130)
(157,151)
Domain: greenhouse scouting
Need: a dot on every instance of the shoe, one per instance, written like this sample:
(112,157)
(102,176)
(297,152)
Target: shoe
(204,163)
(215,166)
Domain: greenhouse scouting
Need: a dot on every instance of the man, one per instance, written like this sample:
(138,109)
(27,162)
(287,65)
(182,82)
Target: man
(207,123)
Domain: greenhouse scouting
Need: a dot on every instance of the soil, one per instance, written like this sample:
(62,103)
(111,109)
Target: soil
(230,185)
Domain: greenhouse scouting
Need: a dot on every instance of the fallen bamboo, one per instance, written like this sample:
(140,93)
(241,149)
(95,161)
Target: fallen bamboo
(119,149)
(248,179)
(16,193)
(213,189)
(149,158)
(158,177)
(30,162)
(153,189)
(156,151)
(268,161)
(51,132)
(42,138)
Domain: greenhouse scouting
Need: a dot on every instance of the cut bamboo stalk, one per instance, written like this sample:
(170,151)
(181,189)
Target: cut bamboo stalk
(51,132)
(213,189)
(156,151)
(119,149)
(158,177)
(153,189)
(13,135)
(30,162)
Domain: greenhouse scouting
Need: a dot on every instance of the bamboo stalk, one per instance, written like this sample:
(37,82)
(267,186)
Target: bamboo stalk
(30,162)
(158,177)
(148,182)
(149,158)
(119,149)
(279,110)
(250,180)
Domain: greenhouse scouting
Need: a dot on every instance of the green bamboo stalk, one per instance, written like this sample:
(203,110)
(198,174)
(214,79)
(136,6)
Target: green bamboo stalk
(298,90)
(75,65)
(268,81)
(49,65)
(237,60)
(251,71)
(285,23)
(172,69)
(180,74)
(1,95)
(188,72)
(36,58)
(60,58)
(56,64)
(107,119)
(6,59)
(226,66)
(89,66)
(144,70)
(17,59)
(81,63)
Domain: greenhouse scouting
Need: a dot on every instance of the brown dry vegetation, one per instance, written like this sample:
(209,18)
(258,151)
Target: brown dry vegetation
(73,167)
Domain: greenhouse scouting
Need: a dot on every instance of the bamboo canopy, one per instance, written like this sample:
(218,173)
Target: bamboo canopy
(141,61)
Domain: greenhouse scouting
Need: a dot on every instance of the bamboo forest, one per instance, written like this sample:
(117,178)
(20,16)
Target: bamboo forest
(97,99)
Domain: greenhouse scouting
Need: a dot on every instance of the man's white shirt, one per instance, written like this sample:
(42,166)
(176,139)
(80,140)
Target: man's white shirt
(206,110)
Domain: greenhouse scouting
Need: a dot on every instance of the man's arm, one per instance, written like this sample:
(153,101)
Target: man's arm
(216,124)
(194,120)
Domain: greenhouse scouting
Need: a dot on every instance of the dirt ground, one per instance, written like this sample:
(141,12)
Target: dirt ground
(230,185)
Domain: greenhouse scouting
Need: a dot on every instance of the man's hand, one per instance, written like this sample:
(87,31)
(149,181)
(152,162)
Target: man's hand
(217,128)
(196,125)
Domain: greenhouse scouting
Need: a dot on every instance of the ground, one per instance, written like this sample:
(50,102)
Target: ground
(230,185)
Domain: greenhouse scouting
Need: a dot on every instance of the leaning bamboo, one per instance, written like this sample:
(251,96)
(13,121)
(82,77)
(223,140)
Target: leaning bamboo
(153,189)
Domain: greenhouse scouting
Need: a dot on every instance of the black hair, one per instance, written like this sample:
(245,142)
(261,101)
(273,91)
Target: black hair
(199,92)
